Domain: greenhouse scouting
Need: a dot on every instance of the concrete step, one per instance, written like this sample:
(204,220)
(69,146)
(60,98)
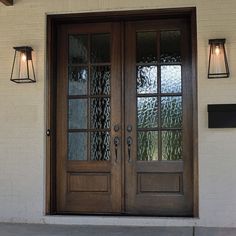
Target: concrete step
(66,230)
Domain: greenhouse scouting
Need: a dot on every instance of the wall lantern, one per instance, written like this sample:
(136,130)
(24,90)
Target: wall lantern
(218,64)
(23,67)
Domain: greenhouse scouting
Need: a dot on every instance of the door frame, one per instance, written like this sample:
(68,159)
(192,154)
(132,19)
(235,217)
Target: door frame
(53,22)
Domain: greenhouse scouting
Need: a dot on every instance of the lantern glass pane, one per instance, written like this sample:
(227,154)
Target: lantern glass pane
(217,66)
(23,70)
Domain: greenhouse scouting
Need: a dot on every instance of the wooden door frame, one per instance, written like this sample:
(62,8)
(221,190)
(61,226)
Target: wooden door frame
(53,22)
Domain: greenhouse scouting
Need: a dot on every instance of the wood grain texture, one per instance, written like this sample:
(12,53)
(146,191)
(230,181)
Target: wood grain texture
(7,2)
(159,183)
(88,182)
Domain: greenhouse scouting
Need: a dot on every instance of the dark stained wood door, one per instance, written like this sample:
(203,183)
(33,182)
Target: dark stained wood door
(158,119)
(124,118)
(88,119)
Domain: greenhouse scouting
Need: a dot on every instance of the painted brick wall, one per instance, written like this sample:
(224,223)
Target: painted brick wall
(22,113)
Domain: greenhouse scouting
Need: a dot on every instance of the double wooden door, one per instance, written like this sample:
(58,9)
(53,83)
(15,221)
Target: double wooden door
(124,118)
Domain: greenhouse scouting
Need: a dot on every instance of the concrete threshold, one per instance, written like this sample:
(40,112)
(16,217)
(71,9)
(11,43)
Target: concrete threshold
(8,229)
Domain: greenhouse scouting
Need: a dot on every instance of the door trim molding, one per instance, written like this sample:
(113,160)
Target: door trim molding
(53,22)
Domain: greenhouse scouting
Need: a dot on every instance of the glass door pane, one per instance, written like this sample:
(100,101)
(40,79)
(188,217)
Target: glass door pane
(159,95)
(89,97)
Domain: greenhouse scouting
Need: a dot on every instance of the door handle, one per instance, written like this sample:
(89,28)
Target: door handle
(129,143)
(116,143)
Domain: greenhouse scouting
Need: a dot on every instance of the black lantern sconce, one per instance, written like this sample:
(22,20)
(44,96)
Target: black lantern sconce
(23,67)
(218,65)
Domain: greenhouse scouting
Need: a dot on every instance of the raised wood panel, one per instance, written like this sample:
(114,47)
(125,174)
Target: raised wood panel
(159,182)
(89,182)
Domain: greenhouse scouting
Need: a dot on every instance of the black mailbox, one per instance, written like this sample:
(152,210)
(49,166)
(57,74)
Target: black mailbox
(222,116)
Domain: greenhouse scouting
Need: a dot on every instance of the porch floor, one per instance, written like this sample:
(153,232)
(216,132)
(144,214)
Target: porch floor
(7,229)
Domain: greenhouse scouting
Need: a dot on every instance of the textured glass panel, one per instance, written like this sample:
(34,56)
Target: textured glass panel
(77,146)
(100,48)
(170,46)
(78,49)
(171,145)
(171,79)
(146,47)
(147,112)
(100,113)
(100,146)
(147,146)
(100,80)
(77,113)
(146,79)
(171,112)
(78,79)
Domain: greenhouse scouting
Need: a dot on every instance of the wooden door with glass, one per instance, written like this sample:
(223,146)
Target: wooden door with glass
(124,118)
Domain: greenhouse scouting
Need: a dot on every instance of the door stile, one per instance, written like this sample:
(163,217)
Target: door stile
(187,117)
(61,124)
(123,141)
(130,115)
(116,162)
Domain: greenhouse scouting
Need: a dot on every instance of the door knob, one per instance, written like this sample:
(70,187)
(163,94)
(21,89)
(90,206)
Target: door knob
(129,128)
(48,132)
(116,128)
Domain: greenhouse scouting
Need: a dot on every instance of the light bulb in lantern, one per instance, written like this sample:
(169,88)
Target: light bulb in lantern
(23,57)
(217,50)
